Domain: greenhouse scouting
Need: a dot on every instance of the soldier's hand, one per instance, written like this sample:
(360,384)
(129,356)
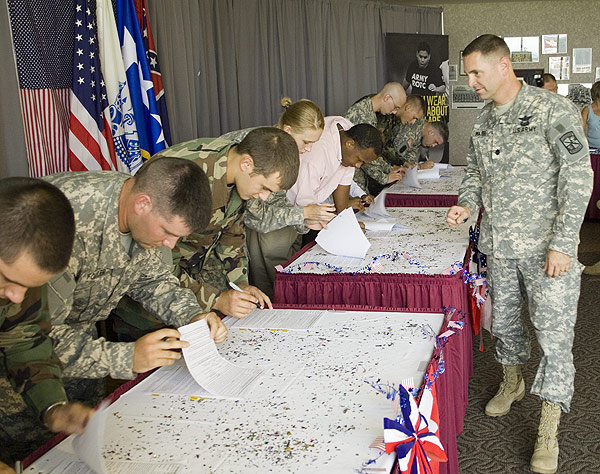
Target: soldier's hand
(457,215)
(263,300)
(426,165)
(356,203)
(557,263)
(397,174)
(236,303)
(218,330)
(319,212)
(162,347)
(4,469)
(69,418)
(367,199)
(362,227)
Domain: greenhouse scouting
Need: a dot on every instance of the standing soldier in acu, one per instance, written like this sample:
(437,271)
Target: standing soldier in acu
(528,165)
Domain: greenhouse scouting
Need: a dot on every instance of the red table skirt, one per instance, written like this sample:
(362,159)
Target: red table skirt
(389,290)
(592,211)
(420,200)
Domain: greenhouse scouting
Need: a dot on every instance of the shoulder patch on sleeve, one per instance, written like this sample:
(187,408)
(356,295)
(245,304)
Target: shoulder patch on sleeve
(571,143)
(60,288)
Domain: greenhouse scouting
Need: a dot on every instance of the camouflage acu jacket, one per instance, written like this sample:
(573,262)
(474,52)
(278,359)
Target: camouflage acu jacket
(274,213)
(100,272)
(405,143)
(28,357)
(530,169)
(205,262)
(362,112)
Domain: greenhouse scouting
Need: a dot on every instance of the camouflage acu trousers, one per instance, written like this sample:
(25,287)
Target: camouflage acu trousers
(266,250)
(517,285)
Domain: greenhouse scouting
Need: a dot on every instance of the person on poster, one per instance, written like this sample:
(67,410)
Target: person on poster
(422,76)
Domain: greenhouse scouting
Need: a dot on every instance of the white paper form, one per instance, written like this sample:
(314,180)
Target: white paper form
(289,319)
(212,372)
(377,209)
(322,256)
(174,380)
(119,467)
(378,226)
(411,177)
(88,446)
(344,236)
(430,174)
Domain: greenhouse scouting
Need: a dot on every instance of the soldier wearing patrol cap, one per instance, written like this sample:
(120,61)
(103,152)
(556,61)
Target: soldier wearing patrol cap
(528,165)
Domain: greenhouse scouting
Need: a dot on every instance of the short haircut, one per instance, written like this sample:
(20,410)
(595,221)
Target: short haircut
(424,46)
(441,128)
(301,115)
(396,91)
(595,92)
(487,45)
(177,187)
(417,101)
(366,136)
(36,218)
(547,77)
(273,151)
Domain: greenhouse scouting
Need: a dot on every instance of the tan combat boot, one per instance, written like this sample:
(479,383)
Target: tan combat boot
(545,453)
(592,269)
(512,389)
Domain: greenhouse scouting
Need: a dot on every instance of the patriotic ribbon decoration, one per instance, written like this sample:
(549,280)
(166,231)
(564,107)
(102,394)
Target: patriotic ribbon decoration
(479,258)
(413,434)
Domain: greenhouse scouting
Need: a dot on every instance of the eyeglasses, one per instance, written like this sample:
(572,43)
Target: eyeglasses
(396,107)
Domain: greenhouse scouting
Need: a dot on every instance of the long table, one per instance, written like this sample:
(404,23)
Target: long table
(433,193)
(419,283)
(315,410)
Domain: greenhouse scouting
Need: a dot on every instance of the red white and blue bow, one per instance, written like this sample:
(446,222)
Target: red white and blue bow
(414,437)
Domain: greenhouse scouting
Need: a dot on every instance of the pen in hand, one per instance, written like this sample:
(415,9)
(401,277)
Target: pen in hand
(237,288)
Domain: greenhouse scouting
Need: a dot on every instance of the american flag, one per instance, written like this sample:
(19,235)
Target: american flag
(90,140)
(43,54)
(159,92)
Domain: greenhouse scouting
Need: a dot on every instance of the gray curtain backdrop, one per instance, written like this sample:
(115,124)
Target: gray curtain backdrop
(227,63)
(13,153)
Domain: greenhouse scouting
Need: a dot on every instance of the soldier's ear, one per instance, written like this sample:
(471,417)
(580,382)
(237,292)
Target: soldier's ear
(246,163)
(142,204)
(504,64)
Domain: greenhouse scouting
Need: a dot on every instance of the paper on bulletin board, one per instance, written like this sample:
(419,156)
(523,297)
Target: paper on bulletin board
(559,67)
(582,60)
(554,44)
